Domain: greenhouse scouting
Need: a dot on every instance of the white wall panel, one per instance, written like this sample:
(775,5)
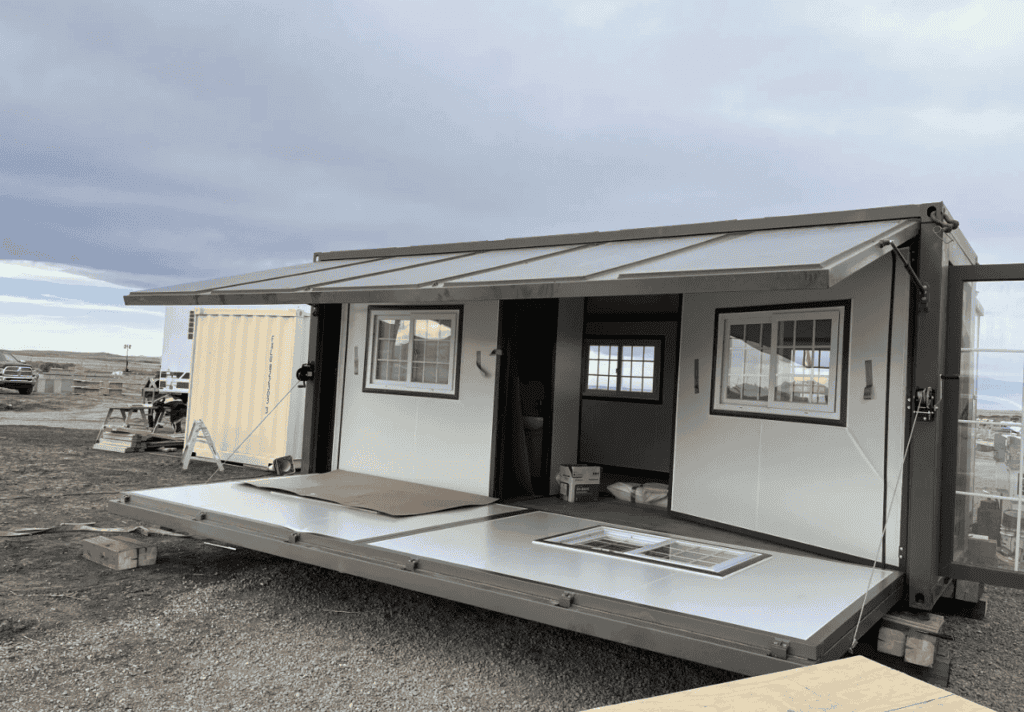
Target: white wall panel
(565,418)
(436,441)
(817,484)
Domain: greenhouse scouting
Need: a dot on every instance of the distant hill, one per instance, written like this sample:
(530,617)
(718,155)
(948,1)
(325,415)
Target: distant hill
(994,394)
(80,354)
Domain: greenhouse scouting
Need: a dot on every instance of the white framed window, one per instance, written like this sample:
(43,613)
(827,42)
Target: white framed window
(622,368)
(413,351)
(781,362)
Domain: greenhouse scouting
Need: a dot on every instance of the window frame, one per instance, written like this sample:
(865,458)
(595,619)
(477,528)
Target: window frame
(781,410)
(617,395)
(372,385)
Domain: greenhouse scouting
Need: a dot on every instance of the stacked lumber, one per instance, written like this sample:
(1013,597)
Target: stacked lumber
(119,441)
(119,552)
(131,440)
(917,638)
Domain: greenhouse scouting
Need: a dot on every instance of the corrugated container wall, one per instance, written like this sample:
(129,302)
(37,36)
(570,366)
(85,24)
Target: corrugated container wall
(243,365)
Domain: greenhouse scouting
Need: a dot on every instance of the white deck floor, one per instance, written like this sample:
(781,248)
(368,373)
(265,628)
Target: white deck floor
(306,515)
(787,595)
(790,596)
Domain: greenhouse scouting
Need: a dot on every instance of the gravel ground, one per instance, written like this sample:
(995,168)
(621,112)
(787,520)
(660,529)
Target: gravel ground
(207,628)
(282,635)
(278,635)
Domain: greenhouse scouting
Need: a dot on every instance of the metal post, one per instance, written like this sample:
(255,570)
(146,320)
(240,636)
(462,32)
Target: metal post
(925,458)
(318,427)
(1020,484)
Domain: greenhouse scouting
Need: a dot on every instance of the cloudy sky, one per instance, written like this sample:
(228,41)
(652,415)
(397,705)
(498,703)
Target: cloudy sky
(151,143)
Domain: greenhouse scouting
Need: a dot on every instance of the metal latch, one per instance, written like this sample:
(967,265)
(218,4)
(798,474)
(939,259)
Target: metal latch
(200,516)
(411,564)
(565,600)
(924,405)
(779,649)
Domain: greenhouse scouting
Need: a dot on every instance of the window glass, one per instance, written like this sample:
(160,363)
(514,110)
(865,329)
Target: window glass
(626,368)
(413,351)
(785,362)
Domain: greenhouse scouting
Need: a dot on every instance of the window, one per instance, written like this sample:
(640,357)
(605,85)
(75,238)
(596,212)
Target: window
(623,368)
(654,548)
(783,363)
(413,351)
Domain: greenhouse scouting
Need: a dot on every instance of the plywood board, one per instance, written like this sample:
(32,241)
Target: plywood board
(839,686)
(378,494)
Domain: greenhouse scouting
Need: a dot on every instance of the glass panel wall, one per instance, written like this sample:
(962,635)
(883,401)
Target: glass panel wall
(989,494)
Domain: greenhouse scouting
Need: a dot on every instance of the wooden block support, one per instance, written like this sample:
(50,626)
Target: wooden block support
(969,591)
(146,550)
(911,635)
(118,553)
(892,641)
(920,649)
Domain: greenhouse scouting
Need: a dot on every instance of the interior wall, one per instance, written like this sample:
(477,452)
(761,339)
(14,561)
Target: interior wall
(817,484)
(627,433)
(443,442)
(565,416)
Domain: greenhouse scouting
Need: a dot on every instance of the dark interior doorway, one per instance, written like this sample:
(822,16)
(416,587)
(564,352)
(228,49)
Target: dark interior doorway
(527,333)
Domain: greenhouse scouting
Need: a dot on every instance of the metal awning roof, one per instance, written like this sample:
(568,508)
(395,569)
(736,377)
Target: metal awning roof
(799,252)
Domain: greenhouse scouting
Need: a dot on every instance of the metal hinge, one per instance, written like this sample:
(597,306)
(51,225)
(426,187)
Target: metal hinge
(779,649)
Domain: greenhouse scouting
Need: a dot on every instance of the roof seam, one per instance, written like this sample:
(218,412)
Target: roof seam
(916,211)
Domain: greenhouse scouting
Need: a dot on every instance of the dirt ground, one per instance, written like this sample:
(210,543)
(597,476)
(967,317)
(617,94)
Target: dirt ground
(212,628)
(53,476)
(98,368)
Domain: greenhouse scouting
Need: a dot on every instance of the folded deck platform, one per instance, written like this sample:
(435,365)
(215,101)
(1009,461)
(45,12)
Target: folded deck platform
(779,612)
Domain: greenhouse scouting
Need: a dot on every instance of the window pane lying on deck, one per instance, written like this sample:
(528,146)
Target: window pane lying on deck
(659,549)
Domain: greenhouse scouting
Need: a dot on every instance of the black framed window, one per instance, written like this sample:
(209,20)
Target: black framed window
(781,362)
(622,368)
(413,351)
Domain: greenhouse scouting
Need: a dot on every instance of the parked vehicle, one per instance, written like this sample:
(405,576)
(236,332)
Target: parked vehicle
(16,374)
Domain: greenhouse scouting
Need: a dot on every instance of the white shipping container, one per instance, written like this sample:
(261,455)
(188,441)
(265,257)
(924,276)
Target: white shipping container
(243,364)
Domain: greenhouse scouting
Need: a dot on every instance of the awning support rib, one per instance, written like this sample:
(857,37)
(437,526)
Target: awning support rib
(921,286)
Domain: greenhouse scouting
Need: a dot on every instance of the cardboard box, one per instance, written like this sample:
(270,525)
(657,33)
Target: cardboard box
(578,483)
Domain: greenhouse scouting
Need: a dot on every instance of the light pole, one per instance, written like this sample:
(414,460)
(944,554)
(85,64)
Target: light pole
(126,347)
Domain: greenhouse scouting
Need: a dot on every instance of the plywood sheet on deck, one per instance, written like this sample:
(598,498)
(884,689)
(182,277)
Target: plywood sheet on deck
(303,514)
(839,686)
(395,498)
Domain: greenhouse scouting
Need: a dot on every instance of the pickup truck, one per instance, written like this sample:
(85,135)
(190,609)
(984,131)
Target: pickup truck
(16,374)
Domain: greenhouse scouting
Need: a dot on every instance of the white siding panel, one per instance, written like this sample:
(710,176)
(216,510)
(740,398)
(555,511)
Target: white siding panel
(436,441)
(817,484)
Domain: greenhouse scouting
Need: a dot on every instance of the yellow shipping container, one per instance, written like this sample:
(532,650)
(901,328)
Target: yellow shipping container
(243,372)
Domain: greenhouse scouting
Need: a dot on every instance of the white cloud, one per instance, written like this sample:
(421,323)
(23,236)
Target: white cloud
(77,275)
(65,303)
(56,333)
(926,35)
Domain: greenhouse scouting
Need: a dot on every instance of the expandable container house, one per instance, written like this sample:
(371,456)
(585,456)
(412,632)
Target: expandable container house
(819,392)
